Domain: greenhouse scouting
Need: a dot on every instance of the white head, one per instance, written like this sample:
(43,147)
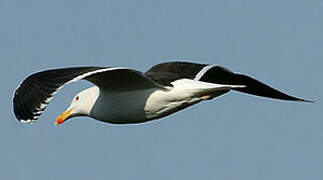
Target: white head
(81,105)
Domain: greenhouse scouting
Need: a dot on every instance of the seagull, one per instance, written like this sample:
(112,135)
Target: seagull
(123,96)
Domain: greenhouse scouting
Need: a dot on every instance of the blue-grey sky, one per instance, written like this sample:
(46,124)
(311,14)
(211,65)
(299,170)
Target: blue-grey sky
(235,136)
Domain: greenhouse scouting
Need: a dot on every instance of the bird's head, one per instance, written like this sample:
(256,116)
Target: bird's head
(81,105)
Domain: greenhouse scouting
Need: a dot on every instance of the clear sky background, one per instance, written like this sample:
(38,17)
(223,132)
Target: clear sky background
(235,136)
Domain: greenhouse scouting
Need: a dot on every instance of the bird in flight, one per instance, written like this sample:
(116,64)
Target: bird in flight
(123,96)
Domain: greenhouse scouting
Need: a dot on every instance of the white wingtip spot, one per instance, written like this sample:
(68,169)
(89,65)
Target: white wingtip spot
(28,121)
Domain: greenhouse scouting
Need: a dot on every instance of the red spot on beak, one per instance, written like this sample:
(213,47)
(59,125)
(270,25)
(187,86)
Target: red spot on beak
(62,117)
(59,121)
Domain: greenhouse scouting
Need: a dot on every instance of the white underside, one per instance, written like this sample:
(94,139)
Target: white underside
(121,107)
(140,106)
(185,92)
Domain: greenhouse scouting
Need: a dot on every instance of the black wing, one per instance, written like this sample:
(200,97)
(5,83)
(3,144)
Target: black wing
(221,75)
(166,73)
(35,92)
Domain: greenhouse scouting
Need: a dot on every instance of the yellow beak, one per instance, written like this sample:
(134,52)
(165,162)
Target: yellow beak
(64,116)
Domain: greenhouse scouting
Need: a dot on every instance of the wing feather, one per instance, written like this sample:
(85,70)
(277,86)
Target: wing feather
(35,92)
(166,73)
(220,75)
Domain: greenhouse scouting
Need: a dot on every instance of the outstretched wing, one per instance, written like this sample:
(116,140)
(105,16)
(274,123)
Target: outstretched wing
(166,73)
(220,75)
(35,92)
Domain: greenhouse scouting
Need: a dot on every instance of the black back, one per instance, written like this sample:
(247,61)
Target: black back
(166,73)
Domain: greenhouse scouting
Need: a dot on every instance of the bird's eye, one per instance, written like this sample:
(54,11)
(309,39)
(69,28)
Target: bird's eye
(77,98)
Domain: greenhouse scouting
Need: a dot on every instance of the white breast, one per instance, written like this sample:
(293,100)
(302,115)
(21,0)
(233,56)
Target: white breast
(121,107)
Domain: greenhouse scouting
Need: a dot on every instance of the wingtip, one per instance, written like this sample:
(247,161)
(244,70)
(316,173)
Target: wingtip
(305,100)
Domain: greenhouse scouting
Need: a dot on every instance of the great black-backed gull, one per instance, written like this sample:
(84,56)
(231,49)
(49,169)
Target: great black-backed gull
(122,95)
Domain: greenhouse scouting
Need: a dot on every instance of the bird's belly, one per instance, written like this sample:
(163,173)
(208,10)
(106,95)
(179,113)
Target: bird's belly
(144,105)
(163,103)
(184,93)
(121,107)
